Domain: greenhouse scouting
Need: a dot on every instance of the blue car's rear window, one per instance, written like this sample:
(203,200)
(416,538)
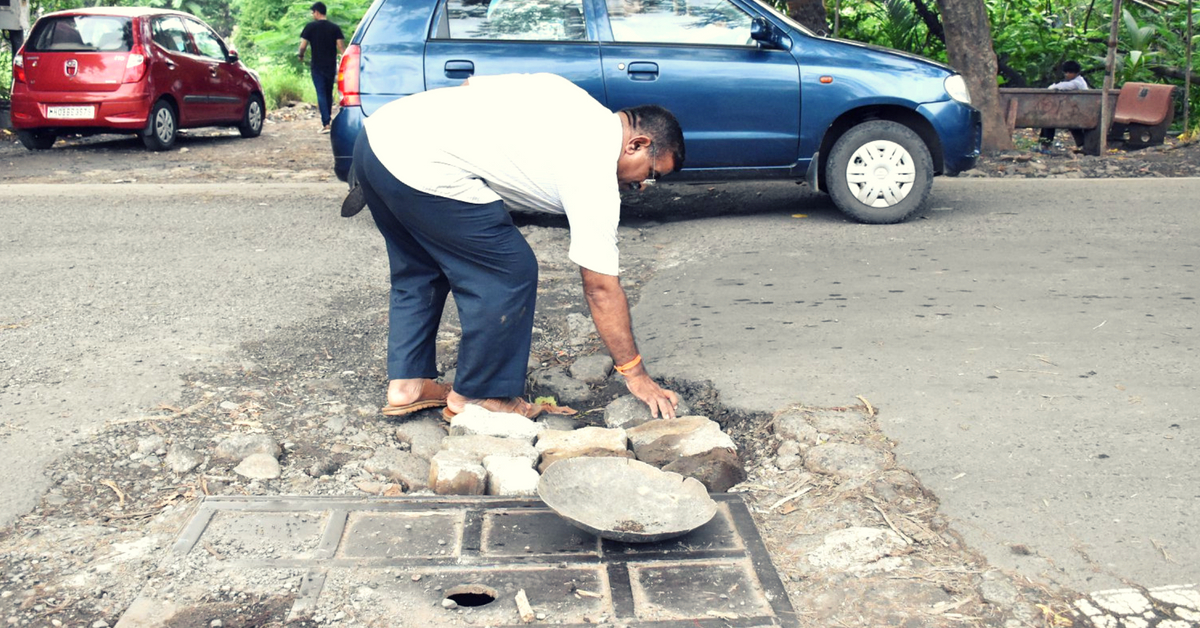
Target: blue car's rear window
(82,33)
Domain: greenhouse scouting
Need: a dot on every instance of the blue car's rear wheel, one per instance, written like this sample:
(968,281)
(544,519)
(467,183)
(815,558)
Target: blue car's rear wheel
(879,172)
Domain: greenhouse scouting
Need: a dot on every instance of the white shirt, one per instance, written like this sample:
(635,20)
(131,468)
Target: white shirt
(1076,83)
(532,140)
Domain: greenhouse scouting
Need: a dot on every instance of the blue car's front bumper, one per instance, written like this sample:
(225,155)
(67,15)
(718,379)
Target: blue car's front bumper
(342,135)
(960,128)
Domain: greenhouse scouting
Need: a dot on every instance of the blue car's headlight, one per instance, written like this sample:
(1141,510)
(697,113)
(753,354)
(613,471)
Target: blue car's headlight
(956,87)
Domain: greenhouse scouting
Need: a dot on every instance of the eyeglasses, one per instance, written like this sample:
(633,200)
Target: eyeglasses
(652,175)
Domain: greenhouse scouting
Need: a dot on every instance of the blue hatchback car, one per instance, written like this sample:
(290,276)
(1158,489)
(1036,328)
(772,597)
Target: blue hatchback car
(759,96)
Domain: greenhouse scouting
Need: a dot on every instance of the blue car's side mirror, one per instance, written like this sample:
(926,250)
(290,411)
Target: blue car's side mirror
(765,32)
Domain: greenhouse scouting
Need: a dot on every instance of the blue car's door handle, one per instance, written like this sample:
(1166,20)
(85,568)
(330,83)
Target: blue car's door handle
(643,71)
(460,69)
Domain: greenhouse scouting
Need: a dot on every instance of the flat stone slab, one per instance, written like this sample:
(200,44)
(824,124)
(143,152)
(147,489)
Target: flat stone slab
(397,561)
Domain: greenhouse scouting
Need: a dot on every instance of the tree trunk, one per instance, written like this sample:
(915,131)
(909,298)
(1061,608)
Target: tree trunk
(1110,68)
(931,20)
(810,13)
(969,47)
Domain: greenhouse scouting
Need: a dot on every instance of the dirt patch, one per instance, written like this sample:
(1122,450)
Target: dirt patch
(1173,159)
(289,149)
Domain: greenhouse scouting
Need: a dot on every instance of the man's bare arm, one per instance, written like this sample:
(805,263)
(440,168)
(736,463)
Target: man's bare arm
(610,312)
(303,47)
(341,46)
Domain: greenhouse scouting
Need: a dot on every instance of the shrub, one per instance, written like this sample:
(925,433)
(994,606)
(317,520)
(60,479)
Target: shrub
(5,72)
(283,85)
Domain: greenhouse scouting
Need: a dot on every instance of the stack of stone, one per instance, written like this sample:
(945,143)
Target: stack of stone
(497,453)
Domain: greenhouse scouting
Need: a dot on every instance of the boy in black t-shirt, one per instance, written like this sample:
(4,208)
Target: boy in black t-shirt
(327,43)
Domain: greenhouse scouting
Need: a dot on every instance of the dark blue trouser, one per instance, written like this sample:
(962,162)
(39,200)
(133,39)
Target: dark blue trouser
(324,86)
(437,245)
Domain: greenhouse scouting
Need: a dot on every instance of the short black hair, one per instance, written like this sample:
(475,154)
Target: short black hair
(1071,67)
(319,7)
(661,127)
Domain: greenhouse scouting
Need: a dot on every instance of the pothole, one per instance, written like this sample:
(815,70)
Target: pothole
(471,595)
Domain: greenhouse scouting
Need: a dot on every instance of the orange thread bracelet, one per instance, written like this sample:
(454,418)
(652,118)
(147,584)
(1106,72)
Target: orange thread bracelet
(628,366)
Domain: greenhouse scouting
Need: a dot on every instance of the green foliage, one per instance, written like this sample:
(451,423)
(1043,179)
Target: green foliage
(902,27)
(1137,41)
(5,69)
(1034,37)
(283,85)
(268,31)
(891,23)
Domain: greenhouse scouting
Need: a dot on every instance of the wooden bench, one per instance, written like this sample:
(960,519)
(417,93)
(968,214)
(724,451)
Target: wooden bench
(1142,110)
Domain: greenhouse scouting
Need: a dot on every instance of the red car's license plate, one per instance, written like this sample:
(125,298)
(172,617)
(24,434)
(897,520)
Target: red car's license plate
(73,112)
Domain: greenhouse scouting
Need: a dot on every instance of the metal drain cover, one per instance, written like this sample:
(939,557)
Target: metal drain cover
(625,500)
(392,561)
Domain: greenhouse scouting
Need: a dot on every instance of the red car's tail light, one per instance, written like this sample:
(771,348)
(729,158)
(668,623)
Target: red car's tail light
(348,77)
(19,68)
(135,67)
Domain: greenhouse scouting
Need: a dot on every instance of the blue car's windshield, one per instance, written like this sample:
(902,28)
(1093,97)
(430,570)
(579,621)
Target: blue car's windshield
(785,19)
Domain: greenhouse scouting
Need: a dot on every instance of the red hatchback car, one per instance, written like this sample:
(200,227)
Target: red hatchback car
(129,70)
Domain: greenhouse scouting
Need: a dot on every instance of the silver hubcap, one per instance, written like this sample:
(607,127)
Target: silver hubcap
(880,173)
(164,125)
(254,115)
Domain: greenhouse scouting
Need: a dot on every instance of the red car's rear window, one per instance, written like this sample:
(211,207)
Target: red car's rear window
(82,33)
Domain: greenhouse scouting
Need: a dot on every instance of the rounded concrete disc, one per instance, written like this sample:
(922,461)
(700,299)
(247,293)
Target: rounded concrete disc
(625,500)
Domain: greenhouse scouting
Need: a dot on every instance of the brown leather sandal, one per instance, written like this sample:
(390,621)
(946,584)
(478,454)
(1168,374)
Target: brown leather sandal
(432,395)
(514,405)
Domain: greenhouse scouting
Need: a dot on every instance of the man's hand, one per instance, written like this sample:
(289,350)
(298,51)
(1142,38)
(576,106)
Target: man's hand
(662,402)
(610,313)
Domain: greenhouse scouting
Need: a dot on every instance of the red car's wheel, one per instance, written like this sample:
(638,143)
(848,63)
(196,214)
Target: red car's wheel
(161,127)
(36,140)
(252,120)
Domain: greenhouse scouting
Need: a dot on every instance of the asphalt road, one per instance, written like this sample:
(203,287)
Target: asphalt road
(109,293)
(1030,344)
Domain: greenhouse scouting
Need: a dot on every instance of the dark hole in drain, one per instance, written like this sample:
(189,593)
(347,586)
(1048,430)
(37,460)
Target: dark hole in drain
(472,595)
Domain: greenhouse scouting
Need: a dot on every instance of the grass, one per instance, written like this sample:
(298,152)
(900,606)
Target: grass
(5,71)
(282,85)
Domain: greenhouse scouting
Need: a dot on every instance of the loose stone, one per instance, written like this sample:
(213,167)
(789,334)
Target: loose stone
(400,466)
(182,459)
(476,447)
(566,389)
(794,425)
(629,411)
(592,369)
(510,476)
(239,446)
(424,436)
(662,441)
(596,442)
(478,421)
(718,469)
(452,473)
(151,444)
(259,467)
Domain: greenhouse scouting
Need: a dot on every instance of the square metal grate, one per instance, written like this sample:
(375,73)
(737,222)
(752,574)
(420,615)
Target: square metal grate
(412,552)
